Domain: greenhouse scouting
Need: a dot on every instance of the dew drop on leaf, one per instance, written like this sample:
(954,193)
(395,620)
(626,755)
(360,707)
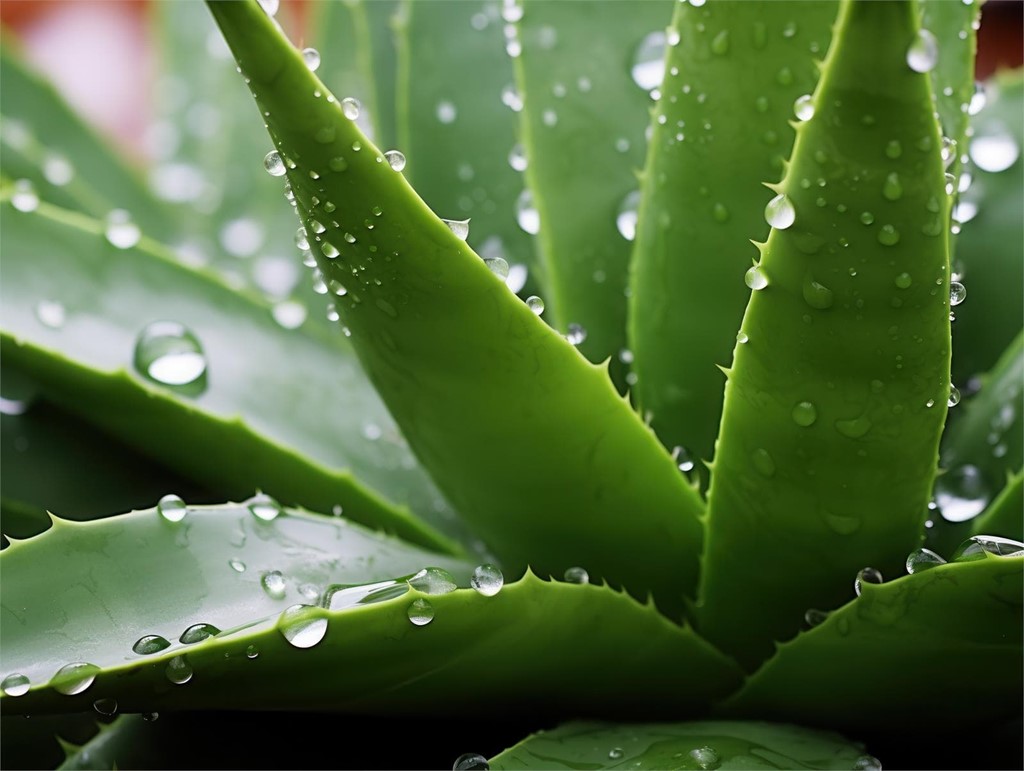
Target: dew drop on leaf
(975,548)
(252,652)
(487,580)
(459,227)
(263,507)
(616,753)
(50,314)
(274,165)
(779,213)
(813,617)
(867,763)
(395,159)
(72,679)
(649,61)
(273,584)
(149,644)
(954,396)
(803,107)
(575,334)
(178,671)
(172,508)
(350,108)
(168,353)
(755,278)
(706,758)
(866,576)
(903,281)
(237,565)
(535,304)
(920,560)
(498,266)
(888,235)
(197,633)
(957,293)
(105,706)
(120,231)
(15,684)
(923,53)
(471,762)
(576,575)
(24,197)
(301,627)
(312,58)
(420,612)
(961,493)
(627,217)
(433,581)
(804,414)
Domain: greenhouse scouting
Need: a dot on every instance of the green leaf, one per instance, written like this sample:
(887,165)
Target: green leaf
(930,637)
(529,441)
(258,419)
(991,247)
(582,125)
(457,139)
(706,744)
(139,574)
(834,408)
(110,746)
(728,101)
(1002,517)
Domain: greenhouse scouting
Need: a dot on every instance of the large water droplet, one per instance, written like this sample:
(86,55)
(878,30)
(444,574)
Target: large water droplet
(341,596)
(149,644)
(957,293)
(498,266)
(975,548)
(420,612)
(961,493)
(459,227)
(487,579)
(168,353)
(350,108)
(197,633)
(920,560)
(994,152)
(805,413)
(74,678)
(756,278)
(535,304)
(120,231)
(312,58)
(15,684)
(301,626)
(395,159)
(866,576)
(470,761)
(576,575)
(706,758)
(954,396)
(648,68)
(178,671)
(779,213)
(275,167)
(172,508)
(263,507)
(24,197)
(923,53)
(803,107)
(273,584)
(892,189)
(433,581)
(888,235)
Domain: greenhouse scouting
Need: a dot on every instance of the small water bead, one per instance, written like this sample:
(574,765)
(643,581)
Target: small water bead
(978,100)
(337,287)
(105,706)
(866,576)
(742,337)
(252,652)
(24,197)
(950,184)
(312,58)
(263,507)
(920,560)
(888,235)
(150,644)
(535,304)
(301,626)
(172,508)
(755,278)
(576,575)
(179,671)
(329,250)
(961,493)
(289,314)
(168,353)
(813,617)
(15,684)
(273,584)
(947,151)
(350,108)
(867,763)
(433,581)
(854,428)
(994,152)
(954,396)
(487,580)
(779,213)
(302,238)
(648,67)
(395,159)
(471,762)
(867,217)
(893,149)
(58,170)
(957,293)
(50,314)
(197,633)
(575,334)
(498,266)
(332,312)
(517,157)
(526,213)
(923,53)
(150,717)
(763,462)
(706,758)
(446,112)
(420,612)
(616,753)
(237,565)
(120,231)
(459,227)
(892,190)
(627,217)
(803,107)
(903,281)
(274,164)
(975,548)
(816,294)
(805,414)
(72,679)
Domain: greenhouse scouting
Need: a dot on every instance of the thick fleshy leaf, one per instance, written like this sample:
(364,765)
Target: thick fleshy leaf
(929,640)
(706,744)
(834,406)
(458,138)
(692,239)
(1003,515)
(584,94)
(528,439)
(274,408)
(990,250)
(383,647)
(112,744)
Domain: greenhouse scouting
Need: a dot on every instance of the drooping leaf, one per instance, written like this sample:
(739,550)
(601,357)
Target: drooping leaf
(926,639)
(990,250)
(584,95)
(371,649)
(458,138)
(74,308)
(834,406)
(530,441)
(712,147)
(698,745)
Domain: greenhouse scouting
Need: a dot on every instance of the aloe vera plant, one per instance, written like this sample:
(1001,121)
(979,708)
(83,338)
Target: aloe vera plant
(589,462)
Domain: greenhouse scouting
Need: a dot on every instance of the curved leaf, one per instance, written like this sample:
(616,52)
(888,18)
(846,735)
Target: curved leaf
(529,440)
(1003,515)
(110,745)
(138,574)
(706,744)
(259,420)
(927,639)
(692,243)
(834,408)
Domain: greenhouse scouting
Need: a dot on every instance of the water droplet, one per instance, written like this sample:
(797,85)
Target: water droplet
(172,508)
(395,159)
(526,213)
(237,565)
(120,231)
(178,671)
(312,58)
(471,762)
(893,149)
(487,579)
(433,581)
(867,217)
(813,617)
(50,314)
(575,334)
(273,584)
(274,165)
(330,251)
(252,652)
(301,626)
(105,706)
(459,227)
(805,413)
(957,293)
(867,763)
(350,108)
(72,679)
(615,753)
(961,493)
(888,235)
(954,396)
(975,548)
(920,560)
(720,43)
(15,684)
(149,644)
(648,68)
(756,278)
(947,151)
(841,524)
(779,213)
(498,266)
(816,294)
(626,219)
(892,189)
(446,112)
(289,314)
(763,462)
(168,353)
(994,152)
(535,304)
(803,107)
(263,507)
(903,281)
(923,53)
(742,338)
(198,633)
(866,576)
(576,575)
(24,197)
(854,428)
(706,758)
(420,612)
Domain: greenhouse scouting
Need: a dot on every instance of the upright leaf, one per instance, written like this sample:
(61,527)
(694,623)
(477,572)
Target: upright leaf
(835,404)
(529,440)
(721,129)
